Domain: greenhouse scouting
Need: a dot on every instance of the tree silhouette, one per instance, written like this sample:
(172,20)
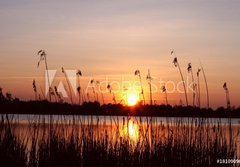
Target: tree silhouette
(2,98)
(137,73)
(176,64)
(9,96)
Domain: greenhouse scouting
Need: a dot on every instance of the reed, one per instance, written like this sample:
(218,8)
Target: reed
(60,100)
(164,90)
(149,78)
(132,141)
(206,84)
(125,89)
(176,64)
(43,56)
(69,85)
(100,90)
(79,73)
(227,96)
(109,87)
(93,83)
(35,89)
(53,93)
(189,69)
(199,92)
(137,73)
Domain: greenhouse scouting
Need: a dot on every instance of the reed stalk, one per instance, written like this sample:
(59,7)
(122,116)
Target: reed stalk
(137,73)
(176,64)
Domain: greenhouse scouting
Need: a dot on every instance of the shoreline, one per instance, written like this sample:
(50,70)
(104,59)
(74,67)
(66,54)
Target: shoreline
(94,108)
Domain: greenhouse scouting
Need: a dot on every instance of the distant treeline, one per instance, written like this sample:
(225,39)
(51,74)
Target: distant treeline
(94,108)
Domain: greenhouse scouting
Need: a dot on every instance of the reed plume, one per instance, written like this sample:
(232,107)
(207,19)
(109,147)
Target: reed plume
(227,96)
(206,84)
(52,92)
(109,87)
(58,94)
(176,64)
(43,56)
(149,78)
(35,89)
(199,92)
(189,69)
(69,86)
(100,90)
(79,73)
(93,89)
(137,73)
(164,90)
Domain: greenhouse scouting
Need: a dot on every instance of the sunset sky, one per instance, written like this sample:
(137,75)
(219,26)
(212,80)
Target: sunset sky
(111,39)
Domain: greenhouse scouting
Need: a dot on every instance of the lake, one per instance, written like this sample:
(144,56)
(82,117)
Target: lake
(154,135)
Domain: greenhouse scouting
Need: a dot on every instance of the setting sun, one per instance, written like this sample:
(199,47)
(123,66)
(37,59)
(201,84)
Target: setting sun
(132,99)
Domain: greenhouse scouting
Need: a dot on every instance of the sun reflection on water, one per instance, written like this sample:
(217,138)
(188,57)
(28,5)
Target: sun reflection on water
(133,130)
(130,130)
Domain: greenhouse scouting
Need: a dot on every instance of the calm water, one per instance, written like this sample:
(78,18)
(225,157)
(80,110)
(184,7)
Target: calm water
(135,129)
(110,119)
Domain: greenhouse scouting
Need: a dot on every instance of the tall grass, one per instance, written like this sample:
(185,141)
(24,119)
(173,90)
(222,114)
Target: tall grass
(79,73)
(60,100)
(199,91)
(43,56)
(163,88)
(69,85)
(176,64)
(149,78)
(206,84)
(227,96)
(137,73)
(95,94)
(189,69)
(35,89)
(109,87)
(91,141)
(100,90)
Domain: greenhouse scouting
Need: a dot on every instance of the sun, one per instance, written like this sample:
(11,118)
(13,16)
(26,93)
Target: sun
(132,99)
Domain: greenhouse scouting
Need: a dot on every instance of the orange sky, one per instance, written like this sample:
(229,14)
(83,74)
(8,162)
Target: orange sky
(114,38)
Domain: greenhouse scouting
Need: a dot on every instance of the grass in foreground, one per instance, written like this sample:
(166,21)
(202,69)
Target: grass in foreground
(86,143)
